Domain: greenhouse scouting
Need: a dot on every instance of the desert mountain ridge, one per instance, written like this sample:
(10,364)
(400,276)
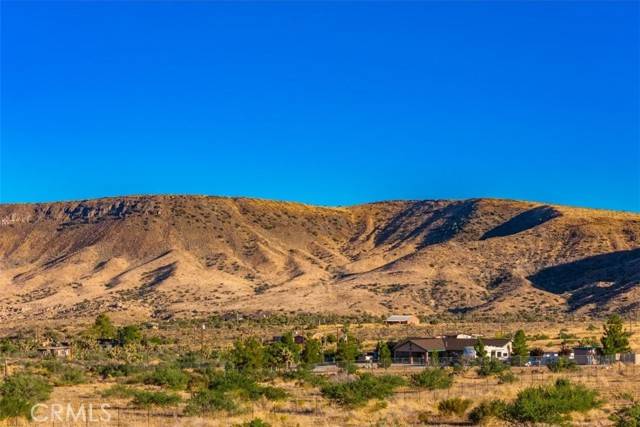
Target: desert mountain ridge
(182,256)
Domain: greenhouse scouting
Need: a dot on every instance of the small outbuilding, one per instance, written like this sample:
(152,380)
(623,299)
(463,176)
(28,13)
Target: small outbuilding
(586,355)
(56,351)
(402,319)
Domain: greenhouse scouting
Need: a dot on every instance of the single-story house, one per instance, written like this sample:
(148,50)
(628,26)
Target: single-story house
(418,350)
(62,351)
(401,319)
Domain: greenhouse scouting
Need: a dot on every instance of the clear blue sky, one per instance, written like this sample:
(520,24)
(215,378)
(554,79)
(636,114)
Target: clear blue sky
(326,103)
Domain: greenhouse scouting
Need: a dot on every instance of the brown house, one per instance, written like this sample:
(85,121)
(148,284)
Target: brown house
(418,350)
(398,319)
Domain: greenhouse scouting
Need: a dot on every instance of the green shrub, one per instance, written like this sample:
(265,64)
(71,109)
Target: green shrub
(224,387)
(433,379)
(306,376)
(507,377)
(190,359)
(118,391)
(147,399)
(129,334)
(363,389)
(562,364)
(7,347)
(490,367)
(116,370)
(488,410)
(628,416)
(208,401)
(454,405)
(167,376)
(19,392)
(70,376)
(256,422)
(243,385)
(552,404)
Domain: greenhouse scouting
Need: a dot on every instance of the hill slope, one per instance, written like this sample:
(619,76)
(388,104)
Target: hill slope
(167,256)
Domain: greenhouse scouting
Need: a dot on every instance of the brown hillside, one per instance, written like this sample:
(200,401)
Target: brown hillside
(184,255)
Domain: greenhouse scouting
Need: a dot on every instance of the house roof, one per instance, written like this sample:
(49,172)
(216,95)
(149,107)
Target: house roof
(427,344)
(400,318)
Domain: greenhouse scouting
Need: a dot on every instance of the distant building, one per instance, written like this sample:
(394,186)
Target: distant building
(586,355)
(419,350)
(62,351)
(398,319)
(631,358)
(108,343)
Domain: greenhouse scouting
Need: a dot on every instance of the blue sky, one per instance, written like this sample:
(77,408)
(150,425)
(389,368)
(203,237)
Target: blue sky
(325,103)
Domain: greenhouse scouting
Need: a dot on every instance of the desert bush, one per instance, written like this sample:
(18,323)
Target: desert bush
(507,377)
(70,376)
(248,356)
(304,375)
(628,416)
(118,391)
(129,334)
(363,389)
(223,387)
(256,422)
(433,379)
(490,367)
(7,347)
(455,405)
(208,401)
(562,364)
(491,409)
(191,360)
(116,370)
(168,376)
(552,404)
(19,392)
(147,399)
(242,384)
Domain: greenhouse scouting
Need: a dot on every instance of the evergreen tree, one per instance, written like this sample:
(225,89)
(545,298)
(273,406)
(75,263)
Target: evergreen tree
(312,352)
(129,334)
(615,339)
(434,356)
(520,348)
(384,355)
(347,350)
(247,356)
(481,353)
(103,327)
